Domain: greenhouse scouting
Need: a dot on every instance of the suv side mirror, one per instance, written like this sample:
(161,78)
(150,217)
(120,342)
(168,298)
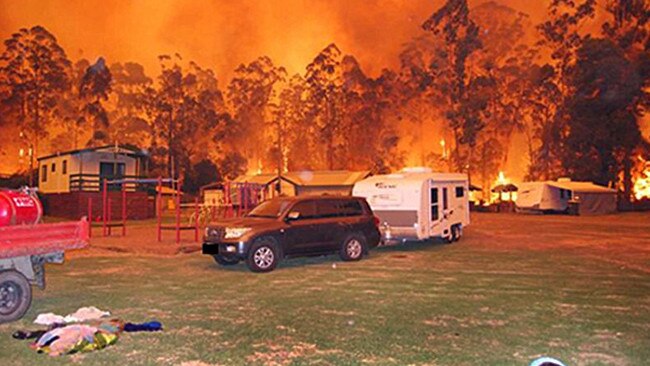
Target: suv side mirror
(293,215)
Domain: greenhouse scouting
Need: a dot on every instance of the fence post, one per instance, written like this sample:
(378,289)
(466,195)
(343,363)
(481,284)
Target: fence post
(110,210)
(197,226)
(90,217)
(104,206)
(227,200)
(159,208)
(123,209)
(178,210)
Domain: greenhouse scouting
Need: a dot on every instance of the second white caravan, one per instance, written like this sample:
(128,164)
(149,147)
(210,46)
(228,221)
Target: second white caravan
(418,204)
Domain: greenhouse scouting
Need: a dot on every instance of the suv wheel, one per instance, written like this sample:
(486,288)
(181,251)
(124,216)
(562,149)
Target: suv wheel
(353,247)
(263,255)
(225,261)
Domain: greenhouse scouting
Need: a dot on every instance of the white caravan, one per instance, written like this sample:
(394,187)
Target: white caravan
(417,204)
(555,196)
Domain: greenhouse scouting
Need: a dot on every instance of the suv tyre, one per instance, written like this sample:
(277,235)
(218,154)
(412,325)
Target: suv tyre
(225,261)
(263,255)
(353,247)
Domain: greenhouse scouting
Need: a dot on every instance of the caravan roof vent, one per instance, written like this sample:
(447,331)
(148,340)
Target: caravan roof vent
(417,169)
(564,179)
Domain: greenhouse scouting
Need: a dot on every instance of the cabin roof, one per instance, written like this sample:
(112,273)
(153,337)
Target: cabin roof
(118,149)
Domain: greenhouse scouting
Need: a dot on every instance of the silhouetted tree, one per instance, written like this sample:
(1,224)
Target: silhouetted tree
(602,126)
(461,40)
(251,93)
(325,92)
(94,88)
(34,69)
(132,89)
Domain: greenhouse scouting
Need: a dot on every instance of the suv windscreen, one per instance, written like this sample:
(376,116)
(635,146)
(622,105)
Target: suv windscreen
(271,209)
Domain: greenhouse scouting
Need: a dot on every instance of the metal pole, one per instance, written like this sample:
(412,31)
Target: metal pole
(123,209)
(159,208)
(90,217)
(240,193)
(178,211)
(227,199)
(104,208)
(196,222)
(110,209)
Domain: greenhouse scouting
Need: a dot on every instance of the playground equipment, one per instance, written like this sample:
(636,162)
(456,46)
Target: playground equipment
(237,200)
(26,245)
(177,227)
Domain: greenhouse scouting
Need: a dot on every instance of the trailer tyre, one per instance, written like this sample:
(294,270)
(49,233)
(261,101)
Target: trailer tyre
(353,247)
(456,233)
(15,296)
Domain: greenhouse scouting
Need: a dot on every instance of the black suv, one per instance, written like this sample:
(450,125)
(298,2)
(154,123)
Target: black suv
(294,226)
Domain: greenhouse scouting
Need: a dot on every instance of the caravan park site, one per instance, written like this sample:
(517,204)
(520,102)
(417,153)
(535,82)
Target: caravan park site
(516,287)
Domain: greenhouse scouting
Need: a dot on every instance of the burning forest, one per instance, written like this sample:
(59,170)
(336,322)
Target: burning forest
(551,90)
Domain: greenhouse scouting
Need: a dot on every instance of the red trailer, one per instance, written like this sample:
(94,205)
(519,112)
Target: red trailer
(25,247)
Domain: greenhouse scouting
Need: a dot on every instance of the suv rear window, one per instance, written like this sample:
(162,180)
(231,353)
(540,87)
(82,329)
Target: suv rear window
(328,208)
(339,208)
(351,208)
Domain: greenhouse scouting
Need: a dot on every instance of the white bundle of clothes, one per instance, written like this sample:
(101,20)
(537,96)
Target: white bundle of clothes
(81,315)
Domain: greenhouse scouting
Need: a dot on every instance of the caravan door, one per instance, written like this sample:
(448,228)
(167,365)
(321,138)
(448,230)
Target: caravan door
(438,209)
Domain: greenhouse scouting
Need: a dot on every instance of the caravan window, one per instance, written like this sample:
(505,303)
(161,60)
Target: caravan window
(445,199)
(460,192)
(44,173)
(434,204)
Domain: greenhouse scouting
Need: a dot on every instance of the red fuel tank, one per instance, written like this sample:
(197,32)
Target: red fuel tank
(19,207)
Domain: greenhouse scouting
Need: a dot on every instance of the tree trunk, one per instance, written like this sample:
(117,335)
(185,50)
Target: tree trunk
(627,174)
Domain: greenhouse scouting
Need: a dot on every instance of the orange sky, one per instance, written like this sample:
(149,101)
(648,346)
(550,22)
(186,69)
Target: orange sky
(222,33)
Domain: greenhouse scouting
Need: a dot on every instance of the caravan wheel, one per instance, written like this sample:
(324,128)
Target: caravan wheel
(456,232)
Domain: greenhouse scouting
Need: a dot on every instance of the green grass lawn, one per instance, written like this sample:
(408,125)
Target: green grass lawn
(510,291)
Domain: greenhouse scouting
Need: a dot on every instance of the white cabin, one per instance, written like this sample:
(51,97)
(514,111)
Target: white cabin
(418,204)
(83,170)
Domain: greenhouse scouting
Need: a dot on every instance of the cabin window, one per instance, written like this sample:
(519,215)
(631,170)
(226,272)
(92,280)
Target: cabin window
(460,192)
(44,173)
(445,199)
(434,204)
(64,167)
(53,167)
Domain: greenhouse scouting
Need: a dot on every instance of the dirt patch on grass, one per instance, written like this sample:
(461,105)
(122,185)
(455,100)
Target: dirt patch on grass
(465,322)
(284,351)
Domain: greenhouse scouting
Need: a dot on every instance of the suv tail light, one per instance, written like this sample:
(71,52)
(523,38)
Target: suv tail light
(376,220)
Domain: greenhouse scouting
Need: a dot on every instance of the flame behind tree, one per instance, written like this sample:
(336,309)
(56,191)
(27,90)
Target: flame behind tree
(642,183)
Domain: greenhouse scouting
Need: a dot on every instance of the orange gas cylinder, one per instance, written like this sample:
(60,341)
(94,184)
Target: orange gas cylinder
(19,207)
